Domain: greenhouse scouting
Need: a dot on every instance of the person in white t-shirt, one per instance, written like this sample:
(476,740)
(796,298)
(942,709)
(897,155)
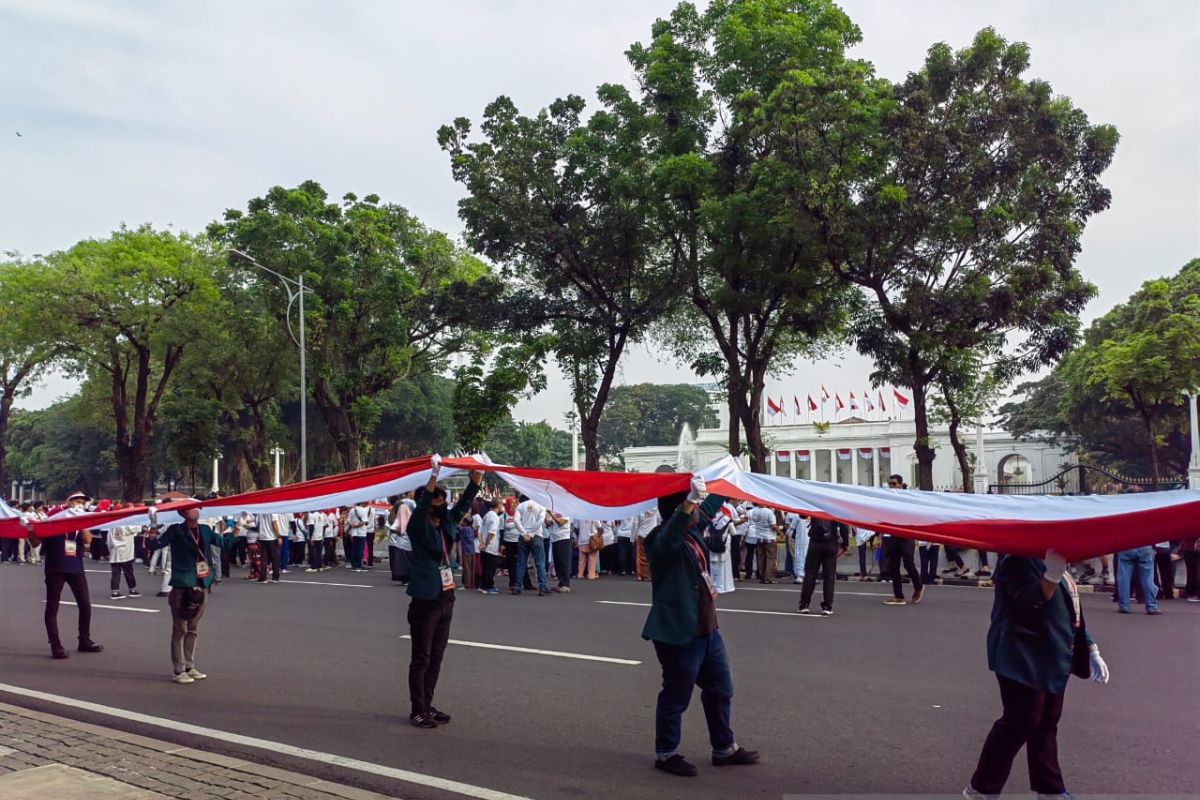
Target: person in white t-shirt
(531,526)
(120,558)
(558,532)
(624,534)
(270,530)
(359,521)
(491,532)
(315,523)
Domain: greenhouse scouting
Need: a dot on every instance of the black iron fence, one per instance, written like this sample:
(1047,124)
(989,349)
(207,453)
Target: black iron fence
(1086,479)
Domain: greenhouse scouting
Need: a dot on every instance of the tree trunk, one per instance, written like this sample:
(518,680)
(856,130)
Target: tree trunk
(338,423)
(751,416)
(254,452)
(960,453)
(735,419)
(1144,411)
(589,430)
(6,402)
(925,453)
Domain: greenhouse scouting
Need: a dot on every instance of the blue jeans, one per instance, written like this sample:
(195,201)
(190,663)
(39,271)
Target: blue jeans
(285,552)
(702,662)
(1141,559)
(537,547)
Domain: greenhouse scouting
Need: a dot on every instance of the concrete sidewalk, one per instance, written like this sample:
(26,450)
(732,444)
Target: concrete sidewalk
(47,757)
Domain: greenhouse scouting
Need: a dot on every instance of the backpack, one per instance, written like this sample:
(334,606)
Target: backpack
(714,538)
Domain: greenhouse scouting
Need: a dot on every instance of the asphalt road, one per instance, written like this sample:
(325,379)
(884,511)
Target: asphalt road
(873,700)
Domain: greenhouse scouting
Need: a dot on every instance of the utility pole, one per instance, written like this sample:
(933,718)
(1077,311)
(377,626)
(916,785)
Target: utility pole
(277,451)
(1193,398)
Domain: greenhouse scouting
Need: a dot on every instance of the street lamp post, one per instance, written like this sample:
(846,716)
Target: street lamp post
(216,465)
(293,296)
(277,451)
(1193,398)
(981,470)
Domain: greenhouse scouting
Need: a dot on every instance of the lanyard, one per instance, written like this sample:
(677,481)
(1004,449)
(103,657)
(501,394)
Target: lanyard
(1073,594)
(697,553)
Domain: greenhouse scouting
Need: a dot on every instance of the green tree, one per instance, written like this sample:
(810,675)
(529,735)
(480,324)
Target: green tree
(417,419)
(965,393)
(24,352)
(126,308)
(529,444)
(652,414)
(567,209)
(753,105)
(962,224)
(1143,355)
(380,280)
(61,450)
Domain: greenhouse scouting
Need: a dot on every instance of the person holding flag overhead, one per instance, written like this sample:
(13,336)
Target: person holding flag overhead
(682,624)
(63,557)
(431,587)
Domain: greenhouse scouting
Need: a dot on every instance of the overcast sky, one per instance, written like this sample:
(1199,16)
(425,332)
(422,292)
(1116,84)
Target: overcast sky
(170,113)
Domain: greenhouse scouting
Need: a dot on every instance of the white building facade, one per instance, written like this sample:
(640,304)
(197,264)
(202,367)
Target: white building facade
(863,452)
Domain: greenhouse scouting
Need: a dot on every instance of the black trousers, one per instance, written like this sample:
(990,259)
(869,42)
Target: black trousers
(487,578)
(562,560)
(79,588)
(735,550)
(125,569)
(624,557)
(226,560)
(429,627)
(900,552)
(510,562)
(929,563)
(241,550)
(1030,719)
(1192,587)
(820,556)
(1164,570)
(749,549)
(270,558)
(952,557)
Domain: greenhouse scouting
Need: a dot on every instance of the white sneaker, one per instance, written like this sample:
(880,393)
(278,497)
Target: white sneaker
(970,794)
(183,677)
(196,674)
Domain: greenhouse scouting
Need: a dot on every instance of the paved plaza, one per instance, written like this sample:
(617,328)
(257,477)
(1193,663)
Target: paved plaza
(554,697)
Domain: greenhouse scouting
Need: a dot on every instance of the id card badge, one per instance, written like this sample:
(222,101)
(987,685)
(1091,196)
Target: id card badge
(202,569)
(447,579)
(69,548)
(708,581)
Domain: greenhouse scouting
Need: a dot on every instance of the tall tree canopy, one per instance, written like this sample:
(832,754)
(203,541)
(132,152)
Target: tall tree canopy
(963,225)
(566,208)
(381,282)
(752,104)
(125,310)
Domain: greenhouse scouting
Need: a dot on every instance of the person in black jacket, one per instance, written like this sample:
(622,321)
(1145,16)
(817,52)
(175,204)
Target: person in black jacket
(1036,641)
(431,587)
(827,542)
(682,624)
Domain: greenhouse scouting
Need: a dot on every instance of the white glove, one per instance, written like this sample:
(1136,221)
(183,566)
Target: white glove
(435,465)
(698,491)
(1099,668)
(1056,565)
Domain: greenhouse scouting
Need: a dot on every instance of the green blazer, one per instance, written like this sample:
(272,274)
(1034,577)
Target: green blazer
(1033,640)
(425,580)
(183,554)
(674,579)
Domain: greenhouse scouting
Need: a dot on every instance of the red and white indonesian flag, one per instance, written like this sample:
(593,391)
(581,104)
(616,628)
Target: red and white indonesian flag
(10,522)
(1078,527)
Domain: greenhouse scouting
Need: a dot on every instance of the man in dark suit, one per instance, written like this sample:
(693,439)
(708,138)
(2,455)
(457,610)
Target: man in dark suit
(431,587)
(683,626)
(1036,641)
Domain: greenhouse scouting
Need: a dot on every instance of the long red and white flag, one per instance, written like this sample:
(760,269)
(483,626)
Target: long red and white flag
(1078,527)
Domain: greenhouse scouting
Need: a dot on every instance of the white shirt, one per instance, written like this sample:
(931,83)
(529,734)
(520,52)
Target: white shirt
(510,528)
(318,522)
(120,545)
(742,528)
(531,519)
(646,521)
(625,528)
(606,533)
(797,526)
(559,533)
(359,522)
(491,527)
(761,520)
(266,527)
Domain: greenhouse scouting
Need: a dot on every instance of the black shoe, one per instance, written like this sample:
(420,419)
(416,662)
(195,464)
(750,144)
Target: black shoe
(58,652)
(804,610)
(440,717)
(543,593)
(677,765)
(161,594)
(737,757)
(422,721)
(90,647)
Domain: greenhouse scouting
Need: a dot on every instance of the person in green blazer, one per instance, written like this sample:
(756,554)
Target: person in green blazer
(431,587)
(1036,641)
(682,624)
(192,574)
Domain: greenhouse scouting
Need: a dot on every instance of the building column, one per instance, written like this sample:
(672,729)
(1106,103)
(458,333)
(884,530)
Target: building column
(875,466)
(854,466)
(981,471)
(833,465)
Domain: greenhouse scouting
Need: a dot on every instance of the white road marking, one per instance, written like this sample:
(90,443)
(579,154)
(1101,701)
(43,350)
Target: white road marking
(432,781)
(114,608)
(323,583)
(535,651)
(719,609)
